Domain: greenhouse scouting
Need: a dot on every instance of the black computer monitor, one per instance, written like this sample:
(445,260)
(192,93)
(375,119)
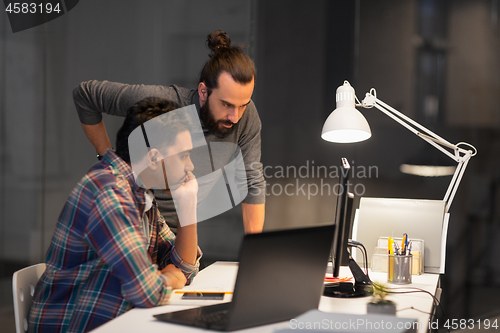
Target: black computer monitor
(346,234)
(342,224)
(341,255)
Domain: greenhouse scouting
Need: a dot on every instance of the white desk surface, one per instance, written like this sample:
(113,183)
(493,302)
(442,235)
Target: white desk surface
(221,276)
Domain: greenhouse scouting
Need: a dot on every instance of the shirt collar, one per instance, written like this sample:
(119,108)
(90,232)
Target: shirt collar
(149,200)
(112,160)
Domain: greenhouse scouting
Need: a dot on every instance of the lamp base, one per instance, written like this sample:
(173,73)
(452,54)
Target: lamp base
(346,290)
(360,288)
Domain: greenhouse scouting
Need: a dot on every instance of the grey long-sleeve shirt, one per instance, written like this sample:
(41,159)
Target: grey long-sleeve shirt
(92,98)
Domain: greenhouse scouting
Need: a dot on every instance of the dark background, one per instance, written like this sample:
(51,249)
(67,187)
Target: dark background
(436,61)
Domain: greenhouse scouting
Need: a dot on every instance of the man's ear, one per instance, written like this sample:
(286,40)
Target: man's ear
(203,93)
(154,158)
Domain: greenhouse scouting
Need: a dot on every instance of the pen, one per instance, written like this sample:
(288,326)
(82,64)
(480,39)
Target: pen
(404,244)
(202,292)
(391,254)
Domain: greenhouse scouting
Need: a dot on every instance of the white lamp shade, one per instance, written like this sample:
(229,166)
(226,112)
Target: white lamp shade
(345,124)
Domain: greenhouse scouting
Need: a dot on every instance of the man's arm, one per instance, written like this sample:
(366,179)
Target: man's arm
(186,241)
(93,98)
(186,244)
(172,262)
(253,217)
(253,206)
(186,255)
(98,136)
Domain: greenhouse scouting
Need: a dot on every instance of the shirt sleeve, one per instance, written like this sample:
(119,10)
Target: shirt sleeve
(92,98)
(167,253)
(250,145)
(113,232)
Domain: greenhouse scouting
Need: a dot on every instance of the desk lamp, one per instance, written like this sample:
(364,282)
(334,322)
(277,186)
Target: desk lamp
(346,124)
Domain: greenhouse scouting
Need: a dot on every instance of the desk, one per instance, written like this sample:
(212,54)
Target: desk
(221,276)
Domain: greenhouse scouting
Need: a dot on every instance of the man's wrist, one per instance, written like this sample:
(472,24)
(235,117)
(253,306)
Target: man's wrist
(99,156)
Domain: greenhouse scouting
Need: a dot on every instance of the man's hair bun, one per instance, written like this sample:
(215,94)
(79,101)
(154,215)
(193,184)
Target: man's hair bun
(218,39)
(225,57)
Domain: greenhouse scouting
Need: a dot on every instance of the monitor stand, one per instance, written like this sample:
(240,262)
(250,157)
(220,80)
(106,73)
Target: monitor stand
(360,288)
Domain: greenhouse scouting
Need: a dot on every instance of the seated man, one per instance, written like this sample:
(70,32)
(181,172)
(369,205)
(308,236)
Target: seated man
(111,249)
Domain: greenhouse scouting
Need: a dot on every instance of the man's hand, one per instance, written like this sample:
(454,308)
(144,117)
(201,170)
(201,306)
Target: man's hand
(175,275)
(186,191)
(186,199)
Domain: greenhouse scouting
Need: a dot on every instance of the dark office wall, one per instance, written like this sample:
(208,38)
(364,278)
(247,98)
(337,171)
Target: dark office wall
(473,114)
(303,50)
(44,151)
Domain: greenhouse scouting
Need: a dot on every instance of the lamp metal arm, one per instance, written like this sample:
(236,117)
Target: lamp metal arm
(460,155)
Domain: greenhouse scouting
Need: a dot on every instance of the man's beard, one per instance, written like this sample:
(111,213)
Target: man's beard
(214,126)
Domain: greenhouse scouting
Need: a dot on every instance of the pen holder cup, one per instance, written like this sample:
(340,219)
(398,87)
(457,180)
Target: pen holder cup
(400,269)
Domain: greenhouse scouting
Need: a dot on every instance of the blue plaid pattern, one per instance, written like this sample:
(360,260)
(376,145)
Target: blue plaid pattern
(98,265)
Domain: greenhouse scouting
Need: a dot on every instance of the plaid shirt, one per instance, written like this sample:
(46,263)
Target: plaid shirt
(99,264)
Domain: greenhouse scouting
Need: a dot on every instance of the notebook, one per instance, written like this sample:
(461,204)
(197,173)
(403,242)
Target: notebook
(280,276)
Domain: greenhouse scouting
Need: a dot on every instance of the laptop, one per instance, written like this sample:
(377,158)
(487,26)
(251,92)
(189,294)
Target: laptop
(280,276)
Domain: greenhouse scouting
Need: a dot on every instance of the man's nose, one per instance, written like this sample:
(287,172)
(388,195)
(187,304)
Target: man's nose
(189,165)
(233,115)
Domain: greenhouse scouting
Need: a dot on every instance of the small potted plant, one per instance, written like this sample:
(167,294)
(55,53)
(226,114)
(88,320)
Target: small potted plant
(379,304)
